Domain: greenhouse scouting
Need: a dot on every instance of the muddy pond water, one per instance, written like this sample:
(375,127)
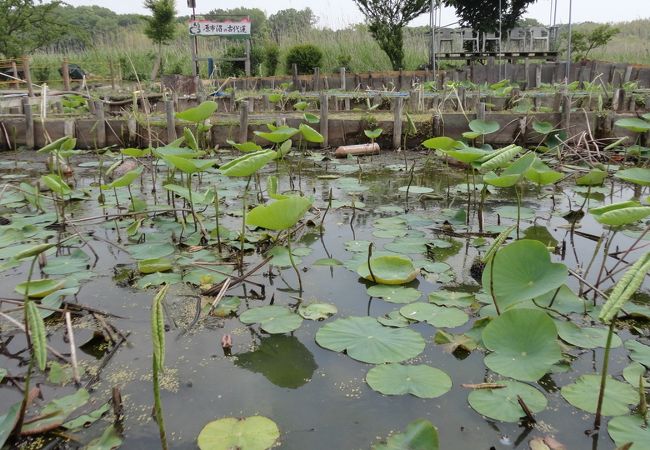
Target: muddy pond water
(318,398)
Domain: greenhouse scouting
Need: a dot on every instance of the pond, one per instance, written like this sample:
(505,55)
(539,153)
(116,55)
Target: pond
(413,205)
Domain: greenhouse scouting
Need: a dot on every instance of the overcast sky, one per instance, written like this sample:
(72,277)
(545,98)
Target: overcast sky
(340,13)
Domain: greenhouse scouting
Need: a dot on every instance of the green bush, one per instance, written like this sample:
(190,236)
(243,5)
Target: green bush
(238,68)
(306,57)
(272,59)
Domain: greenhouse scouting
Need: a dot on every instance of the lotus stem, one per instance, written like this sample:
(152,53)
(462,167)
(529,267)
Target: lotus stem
(329,205)
(293,263)
(603,376)
(372,275)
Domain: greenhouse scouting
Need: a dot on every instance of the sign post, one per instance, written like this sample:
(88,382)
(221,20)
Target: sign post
(237,29)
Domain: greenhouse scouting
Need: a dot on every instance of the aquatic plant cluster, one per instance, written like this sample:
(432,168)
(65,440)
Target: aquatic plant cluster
(474,257)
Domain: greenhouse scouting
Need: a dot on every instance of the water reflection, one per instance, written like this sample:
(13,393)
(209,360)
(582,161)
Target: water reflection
(283,360)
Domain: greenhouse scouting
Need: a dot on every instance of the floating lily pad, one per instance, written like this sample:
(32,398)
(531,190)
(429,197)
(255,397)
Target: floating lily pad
(523,270)
(636,175)
(524,344)
(39,288)
(452,298)
(438,316)
(388,270)
(249,433)
(451,342)
(638,352)
(618,214)
(317,311)
(502,404)
(585,337)
(327,262)
(394,319)
(416,189)
(632,373)
(357,246)
(154,265)
(148,251)
(279,215)
(273,319)
(366,340)
(419,435)
(394,294)
(110,439)
(510,212)
(158,278)
(583,394)
(626,429)
(418,380)
(407,245)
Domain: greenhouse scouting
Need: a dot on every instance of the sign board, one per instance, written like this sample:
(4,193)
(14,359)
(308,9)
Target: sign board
(191,3)
(240,28)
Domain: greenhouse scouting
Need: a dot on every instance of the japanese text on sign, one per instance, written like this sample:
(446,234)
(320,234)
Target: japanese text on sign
(212,28)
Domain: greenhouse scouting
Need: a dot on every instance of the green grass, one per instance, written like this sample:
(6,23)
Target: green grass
(131,49)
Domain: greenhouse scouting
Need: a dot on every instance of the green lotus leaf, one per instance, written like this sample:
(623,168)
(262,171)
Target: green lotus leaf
(619,214)
(501,181)
(583,394)
(56,184)
(273,319)
(633,124)
(317,311)
(636,175)
(182,152)
(522,270)
(483,127)
(56,145)
(40,288)
(595,177)
(512,174)
(418,380)
(149,251)
(136,152)
(246,165)
(189,165)
(452,299)
(542,175)
(66,265)
(109,439)
(441,143)
(373,134)
(585,337)
(626,429)
(158,278)
(503,405)
(394,319)
(198,113)
(543,127)
(416,189)
(632,373)
(388,270)
(278,135)
(438,316)
(56,412)
(523,343)
(366,340)
(311,118)
(281,214)
(638,352)
(154,265)
(249,433)
(419,435)
(466,154)
(245,147)
(496,159)
(124,180)
(310,134)
(327,262)
(394,293)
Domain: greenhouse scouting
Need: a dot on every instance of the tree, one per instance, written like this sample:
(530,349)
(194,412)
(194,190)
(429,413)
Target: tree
(291,21)
(161,27)
(386,19)
(259,25)
(583,42)
(26,25)
(483,15)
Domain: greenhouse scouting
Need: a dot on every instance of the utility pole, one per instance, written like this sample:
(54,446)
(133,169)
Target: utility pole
(195,39)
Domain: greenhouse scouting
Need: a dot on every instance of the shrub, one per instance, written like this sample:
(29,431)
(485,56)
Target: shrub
(306,57)
(238,68)
(272,59)
(345,60)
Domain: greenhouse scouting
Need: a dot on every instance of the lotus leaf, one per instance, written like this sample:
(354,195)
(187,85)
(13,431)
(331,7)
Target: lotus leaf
(317,311)
(273,319)
(154,265)
(281,214)
(633,124)
(419,435)
(394,294)
(249,433)
(246,165)
(40,288)
(278,135)
(619,214)
(245,147)
(366,340)
(636,175)
(583,394)
(55,412)
(438,316)
(198,113)
(524,344)
(585,337)
(310,134)
(502,404)
(418,380)
(441,143)
(638,352)
(483,127)
(626,429)
(388,270)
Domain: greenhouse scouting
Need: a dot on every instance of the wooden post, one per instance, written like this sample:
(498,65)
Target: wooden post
(112,71)
(171,122)
(316,82)
(28,76)
(400,80)
(243,121)
(538,75)
(247,63)
(266,104)
(29,123)
(397,122)
(132,126)
(618,99)
(14,72)
(101,124)
(65,72)
(342,75)
(527,73)
(69,126)
(413,101)
(566,110)
(628,74)
(324,118)
(296,81)
(480,112)
(437,125)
